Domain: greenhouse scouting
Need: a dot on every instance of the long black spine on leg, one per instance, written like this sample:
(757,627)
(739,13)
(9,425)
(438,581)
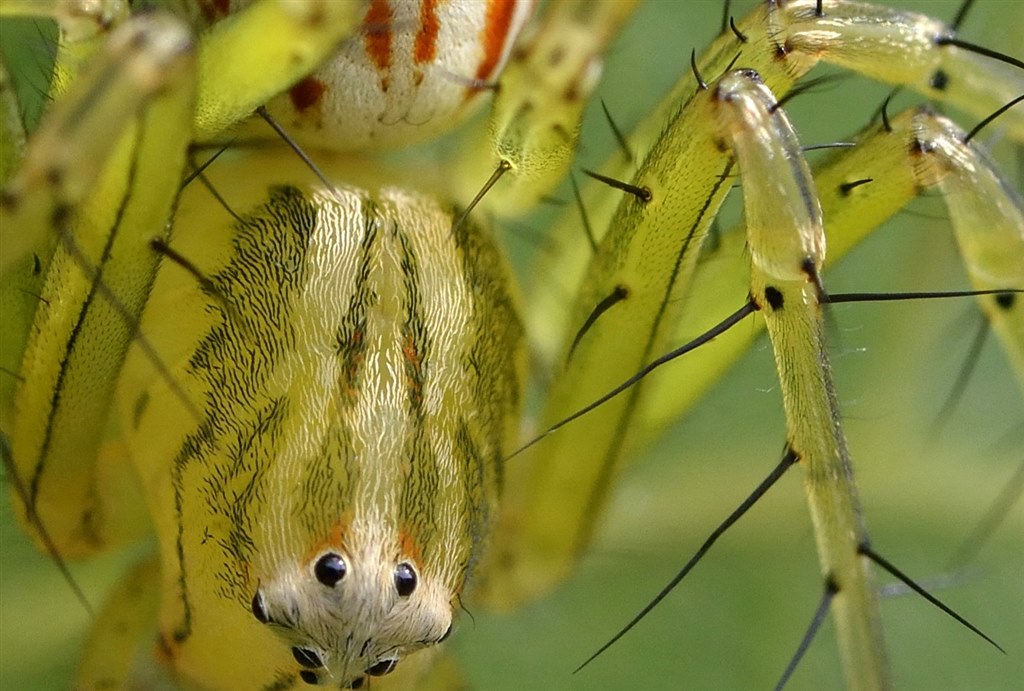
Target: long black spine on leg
(788,459)
(587,229)
(33,518)
(987,121)
(866,550)
(641,193)
(961,15)
(736,317)
(812,631)
(618,294)
(980,50)
(619,136)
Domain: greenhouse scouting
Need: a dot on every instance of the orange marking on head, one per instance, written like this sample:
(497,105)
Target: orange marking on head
(307,93)
(494,36)
(410,548)
(334,542)
(377,38)
(425,49)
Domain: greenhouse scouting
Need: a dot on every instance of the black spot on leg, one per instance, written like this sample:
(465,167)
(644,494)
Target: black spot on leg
(37,265)
(810,269)
(939,80)
(774,298)
(1005,300)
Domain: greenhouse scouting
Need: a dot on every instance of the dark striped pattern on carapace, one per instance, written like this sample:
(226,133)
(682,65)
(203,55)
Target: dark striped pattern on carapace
(358,381)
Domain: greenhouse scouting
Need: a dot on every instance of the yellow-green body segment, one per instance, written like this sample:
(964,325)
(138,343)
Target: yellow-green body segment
(307,377)
(354,357)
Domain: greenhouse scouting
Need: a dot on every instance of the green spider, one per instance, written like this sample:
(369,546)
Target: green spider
(234,181)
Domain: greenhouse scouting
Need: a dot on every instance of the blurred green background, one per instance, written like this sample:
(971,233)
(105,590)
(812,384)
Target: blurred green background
(735,622)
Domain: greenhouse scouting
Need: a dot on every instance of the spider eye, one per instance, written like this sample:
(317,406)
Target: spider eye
(259,610)
(405,579)
(381,668)
(307,657)
(309,677)
(329,569)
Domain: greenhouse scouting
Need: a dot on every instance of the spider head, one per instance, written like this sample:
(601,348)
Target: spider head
(348,615)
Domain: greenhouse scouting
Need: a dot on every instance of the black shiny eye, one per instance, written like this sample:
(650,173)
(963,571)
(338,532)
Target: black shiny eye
(405,579)
(329,569)
(381,668)
(357,683)
(307,657)
(259,610)
(309,677)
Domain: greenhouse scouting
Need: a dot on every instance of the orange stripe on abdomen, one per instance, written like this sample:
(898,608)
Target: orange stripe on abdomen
(494,35)
(377,40)
(426,39)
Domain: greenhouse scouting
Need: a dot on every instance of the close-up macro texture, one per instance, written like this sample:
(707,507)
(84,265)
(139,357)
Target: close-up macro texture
(497,344)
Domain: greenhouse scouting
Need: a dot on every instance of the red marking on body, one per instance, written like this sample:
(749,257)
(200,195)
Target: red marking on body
(410,549)
(334,543)
(409,351)
(425,49)
(307,93)
(377,41)
(494,36)
(412,370)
